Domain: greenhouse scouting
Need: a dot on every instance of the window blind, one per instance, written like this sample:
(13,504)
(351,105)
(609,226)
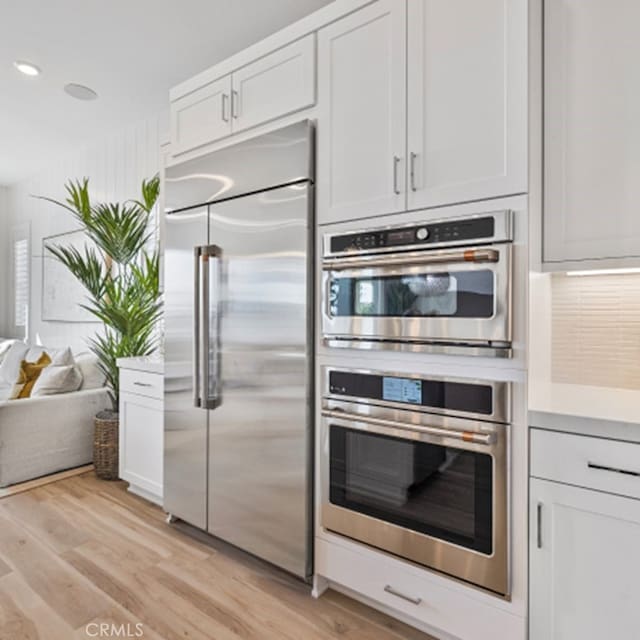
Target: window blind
(21,281)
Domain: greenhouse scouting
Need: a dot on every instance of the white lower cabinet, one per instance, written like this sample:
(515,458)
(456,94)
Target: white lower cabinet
(413,595)
(584,564)
(141,433)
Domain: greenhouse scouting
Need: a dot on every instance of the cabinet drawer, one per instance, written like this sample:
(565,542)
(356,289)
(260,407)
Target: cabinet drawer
(596,463)
(395,586)
(142,383)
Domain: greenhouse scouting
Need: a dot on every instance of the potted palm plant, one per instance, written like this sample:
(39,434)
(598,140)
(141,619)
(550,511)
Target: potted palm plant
(119,269)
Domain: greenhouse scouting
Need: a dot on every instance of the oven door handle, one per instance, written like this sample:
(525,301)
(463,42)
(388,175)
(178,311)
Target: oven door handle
(465,436)
(440,257)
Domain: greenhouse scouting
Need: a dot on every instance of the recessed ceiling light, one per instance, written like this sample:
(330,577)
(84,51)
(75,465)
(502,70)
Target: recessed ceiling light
(80,92)
(27,68)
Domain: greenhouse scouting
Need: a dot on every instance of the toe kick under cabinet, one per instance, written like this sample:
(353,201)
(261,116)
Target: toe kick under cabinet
(584,533)
(141,432)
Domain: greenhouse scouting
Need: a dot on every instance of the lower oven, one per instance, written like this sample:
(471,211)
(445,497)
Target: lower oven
(418,467)
(437,286)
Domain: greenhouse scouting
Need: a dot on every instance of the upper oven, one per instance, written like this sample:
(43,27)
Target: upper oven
(441,286)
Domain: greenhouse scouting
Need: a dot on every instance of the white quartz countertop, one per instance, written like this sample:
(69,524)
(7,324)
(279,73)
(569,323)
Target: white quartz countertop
(150,364)
(595,411)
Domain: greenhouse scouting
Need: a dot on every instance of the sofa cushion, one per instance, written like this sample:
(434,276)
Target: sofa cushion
(10,367)
(5,345)
(54,380)
(92,377)
(29,374)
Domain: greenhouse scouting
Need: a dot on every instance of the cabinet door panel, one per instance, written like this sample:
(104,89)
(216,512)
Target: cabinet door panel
(201,117)
(467,100)
(592,130)
(278,84)
(362,96)
(584,571)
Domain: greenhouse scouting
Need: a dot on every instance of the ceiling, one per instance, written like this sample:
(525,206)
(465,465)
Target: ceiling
(129,51)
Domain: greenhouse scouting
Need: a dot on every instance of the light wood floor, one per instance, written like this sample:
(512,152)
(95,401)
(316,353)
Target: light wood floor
(83,551)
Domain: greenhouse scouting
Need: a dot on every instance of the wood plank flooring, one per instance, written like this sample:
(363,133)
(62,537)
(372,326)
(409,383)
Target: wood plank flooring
(81,552)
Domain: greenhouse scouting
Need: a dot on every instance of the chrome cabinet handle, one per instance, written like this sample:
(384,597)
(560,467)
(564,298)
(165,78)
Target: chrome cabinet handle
(412,170)
(433,257)
(465,436)
(225,101)
(394,592)
(142,384)
(235,98)
(602,467)
(539,525)
(396,162)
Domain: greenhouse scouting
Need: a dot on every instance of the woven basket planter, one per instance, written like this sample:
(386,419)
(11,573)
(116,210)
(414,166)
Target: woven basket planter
(105,445)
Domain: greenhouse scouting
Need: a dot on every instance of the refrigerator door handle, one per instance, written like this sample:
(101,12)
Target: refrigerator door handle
(209,394)
(197,291)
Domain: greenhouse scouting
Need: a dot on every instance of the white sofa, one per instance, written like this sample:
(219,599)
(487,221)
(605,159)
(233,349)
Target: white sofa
(43,435)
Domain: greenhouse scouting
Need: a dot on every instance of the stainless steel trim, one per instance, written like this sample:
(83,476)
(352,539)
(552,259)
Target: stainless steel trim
(503,232)
(501,392)
(464,436)
(491,571)
(413,258)
(394,592)
(601,467)
(539,525)
(197,290)
(235,98)
(441,348)
(225,101)
(396,161)
(412,170)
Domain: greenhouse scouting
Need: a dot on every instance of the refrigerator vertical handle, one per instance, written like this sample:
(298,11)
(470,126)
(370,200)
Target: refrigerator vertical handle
(209,393)
(197,290)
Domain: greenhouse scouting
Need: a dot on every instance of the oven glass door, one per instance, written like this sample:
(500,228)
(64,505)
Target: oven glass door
(423,294)
(443,492)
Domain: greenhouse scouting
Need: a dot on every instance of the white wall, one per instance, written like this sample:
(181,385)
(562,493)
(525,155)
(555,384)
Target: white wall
(4,263)
(115,167)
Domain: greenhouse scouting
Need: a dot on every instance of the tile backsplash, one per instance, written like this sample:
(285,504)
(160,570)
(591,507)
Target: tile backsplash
(595,330)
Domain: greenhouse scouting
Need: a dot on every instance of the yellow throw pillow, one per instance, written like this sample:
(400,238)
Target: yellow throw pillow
(29,372)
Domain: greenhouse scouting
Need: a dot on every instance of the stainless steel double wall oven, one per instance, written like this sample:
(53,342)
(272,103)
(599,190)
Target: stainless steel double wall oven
(438,286)
(418,466)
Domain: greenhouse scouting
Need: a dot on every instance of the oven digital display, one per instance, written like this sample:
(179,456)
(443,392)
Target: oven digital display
(402,390)
(405,236)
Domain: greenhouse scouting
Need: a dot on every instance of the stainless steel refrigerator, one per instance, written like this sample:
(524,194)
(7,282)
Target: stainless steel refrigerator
(238,290)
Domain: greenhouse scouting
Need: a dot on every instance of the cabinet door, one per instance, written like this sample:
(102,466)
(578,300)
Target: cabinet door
(141,442)
(362,123)
(592,130)
(467,100)
(276,85)
(584,563)
(202,116)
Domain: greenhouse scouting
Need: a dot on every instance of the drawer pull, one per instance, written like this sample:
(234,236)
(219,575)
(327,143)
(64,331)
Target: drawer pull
(142,384)
(602,467)
(539,525)
(389,589)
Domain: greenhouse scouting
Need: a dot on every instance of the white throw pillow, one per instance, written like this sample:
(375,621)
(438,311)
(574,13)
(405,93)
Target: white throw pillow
(5,345)
(10,367)
(92,377)
(54,380)
(35,351)
(62,358)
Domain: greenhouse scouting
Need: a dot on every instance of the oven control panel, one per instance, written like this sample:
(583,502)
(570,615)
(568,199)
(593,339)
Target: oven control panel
(436,233)
(446,395)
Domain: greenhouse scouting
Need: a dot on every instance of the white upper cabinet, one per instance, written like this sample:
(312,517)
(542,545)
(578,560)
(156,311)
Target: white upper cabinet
(584,563)
(467,109)
(272,87)
(202,116)
(275,85)
(592,130)
(362,113)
